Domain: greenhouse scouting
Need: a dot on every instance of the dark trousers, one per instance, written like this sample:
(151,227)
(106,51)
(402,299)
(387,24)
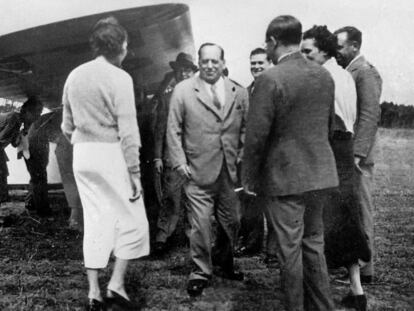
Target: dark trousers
(297,220)
(252,227)
(37,197)
(169,213)
(205,202)
(4,172)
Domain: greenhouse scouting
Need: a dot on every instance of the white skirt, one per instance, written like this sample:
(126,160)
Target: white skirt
(111,222)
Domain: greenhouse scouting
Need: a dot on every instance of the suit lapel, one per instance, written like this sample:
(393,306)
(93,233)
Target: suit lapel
(230,94)
(205,98)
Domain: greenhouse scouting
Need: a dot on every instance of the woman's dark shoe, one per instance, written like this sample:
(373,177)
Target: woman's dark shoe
(195,287)
(358,302)
(95,305)
(113,299)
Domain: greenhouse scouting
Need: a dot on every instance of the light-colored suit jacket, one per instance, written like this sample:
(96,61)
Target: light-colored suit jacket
(287,149)
(368,85)
(201,135)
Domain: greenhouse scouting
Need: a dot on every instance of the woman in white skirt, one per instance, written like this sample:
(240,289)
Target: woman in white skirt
(99,118)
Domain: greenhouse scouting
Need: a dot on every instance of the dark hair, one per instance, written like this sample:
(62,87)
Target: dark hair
(257,51)
(324,39)
(211,44)
(31,104)
(286,29)
(354,34)
(107,37)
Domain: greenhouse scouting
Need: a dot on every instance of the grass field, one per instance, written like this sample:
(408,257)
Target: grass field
(41,262)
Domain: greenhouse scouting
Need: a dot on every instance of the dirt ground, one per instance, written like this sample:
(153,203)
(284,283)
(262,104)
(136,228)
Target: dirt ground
(41,260)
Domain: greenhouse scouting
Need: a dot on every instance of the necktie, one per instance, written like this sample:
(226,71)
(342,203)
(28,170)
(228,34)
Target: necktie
(216,100)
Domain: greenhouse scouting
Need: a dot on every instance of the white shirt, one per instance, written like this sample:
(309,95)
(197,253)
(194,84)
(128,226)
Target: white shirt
(219,90)
(345,93)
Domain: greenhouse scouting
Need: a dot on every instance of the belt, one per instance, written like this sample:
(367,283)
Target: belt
(340,135)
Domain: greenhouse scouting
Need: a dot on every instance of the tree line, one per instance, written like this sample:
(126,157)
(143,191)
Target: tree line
(396,116)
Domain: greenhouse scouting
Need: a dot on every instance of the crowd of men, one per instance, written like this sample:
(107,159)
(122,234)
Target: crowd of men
(212,136)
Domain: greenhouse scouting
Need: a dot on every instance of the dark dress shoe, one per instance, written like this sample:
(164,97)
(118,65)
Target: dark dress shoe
(195,287)
(95,305)
(234,275)
(245,251)
(271,261)
(160,248)
(358,302)
(113,299)
(366,279)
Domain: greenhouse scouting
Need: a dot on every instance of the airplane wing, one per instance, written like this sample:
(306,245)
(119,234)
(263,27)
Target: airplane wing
(36,61)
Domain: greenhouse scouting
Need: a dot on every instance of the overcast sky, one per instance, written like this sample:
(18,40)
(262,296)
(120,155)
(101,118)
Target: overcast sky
(239,26)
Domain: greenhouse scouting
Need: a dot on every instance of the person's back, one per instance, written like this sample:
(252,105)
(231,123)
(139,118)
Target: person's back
(299,153)
(288,161)
(94,90)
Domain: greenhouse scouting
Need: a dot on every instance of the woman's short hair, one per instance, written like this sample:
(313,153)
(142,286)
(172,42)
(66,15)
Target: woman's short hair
(324,39)
(107,37)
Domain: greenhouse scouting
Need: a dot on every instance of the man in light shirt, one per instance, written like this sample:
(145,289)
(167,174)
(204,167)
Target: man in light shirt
(205,135)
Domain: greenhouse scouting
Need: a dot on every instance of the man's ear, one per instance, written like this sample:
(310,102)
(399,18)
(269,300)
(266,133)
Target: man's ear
(356,46)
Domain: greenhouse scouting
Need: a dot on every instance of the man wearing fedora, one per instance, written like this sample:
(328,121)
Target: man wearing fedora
(171,183)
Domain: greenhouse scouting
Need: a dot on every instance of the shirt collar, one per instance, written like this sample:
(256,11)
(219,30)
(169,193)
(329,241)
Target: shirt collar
(219,83)
(330,63)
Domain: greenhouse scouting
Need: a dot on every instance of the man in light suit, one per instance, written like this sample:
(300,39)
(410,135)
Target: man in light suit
(368,85)
(288,161)
(205,135)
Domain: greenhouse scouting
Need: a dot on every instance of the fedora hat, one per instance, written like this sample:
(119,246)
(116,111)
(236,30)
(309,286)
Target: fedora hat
(183,60)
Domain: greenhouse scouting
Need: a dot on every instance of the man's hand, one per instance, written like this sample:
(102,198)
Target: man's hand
(248,190)
(184,171)
(159,167)
(135,185)
(357,161)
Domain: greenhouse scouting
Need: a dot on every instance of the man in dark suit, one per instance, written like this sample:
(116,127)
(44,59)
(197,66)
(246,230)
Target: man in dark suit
(10,124)
(368,85)
(288,161)
(252,227)
(170,196)
(205,135)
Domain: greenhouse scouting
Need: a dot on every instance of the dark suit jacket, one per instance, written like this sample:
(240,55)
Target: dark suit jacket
(287,148)
(202,136)
(162,102)
(368,85)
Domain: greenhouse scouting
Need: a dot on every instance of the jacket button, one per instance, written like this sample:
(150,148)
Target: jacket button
(218,120)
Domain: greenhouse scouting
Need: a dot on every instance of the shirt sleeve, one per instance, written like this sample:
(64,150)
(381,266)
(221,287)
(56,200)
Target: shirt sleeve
(128,131)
